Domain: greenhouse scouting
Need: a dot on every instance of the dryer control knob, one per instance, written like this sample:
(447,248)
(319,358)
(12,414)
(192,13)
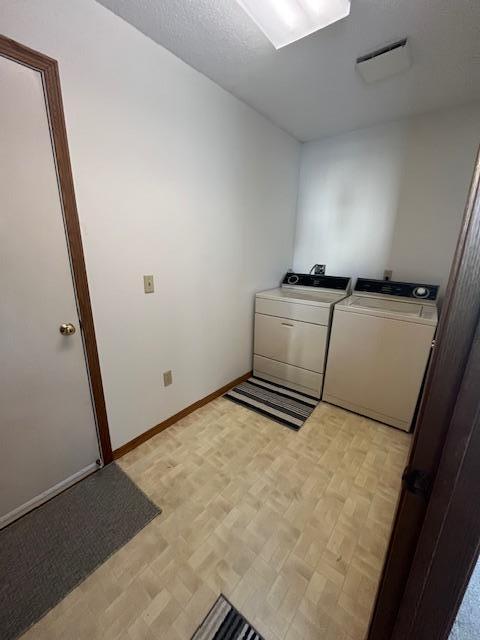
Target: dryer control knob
(293,279)
(421,292)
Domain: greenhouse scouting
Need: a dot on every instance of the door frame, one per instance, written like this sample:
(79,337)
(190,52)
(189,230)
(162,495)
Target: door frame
(48,70)
(449,543)
(417,530)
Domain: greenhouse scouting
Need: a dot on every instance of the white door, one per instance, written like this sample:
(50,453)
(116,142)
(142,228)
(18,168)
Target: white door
(48,436)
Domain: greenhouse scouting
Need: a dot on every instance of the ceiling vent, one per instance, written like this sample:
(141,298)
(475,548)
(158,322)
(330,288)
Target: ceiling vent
(385,62)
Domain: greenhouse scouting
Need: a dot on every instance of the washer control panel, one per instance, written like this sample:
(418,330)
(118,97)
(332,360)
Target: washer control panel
(402,289)
(308,280)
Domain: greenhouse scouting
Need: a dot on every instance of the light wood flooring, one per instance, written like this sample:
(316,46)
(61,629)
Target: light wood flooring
(291,527)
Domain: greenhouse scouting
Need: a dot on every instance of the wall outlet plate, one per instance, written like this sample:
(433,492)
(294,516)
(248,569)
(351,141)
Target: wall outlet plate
(319,269)
(387,274)
(148,284)
(167,378)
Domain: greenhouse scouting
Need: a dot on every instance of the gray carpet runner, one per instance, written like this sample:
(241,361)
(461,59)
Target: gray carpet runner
(49,551)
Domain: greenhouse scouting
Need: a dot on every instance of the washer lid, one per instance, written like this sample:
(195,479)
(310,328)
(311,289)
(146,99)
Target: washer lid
(392,306)
(316,297)
(387,307)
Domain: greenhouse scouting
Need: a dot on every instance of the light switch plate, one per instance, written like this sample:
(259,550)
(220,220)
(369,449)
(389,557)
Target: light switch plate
(148,284)
(167,378)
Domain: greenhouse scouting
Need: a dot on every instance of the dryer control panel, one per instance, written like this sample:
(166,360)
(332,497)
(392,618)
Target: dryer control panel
(402,289)
(308,280)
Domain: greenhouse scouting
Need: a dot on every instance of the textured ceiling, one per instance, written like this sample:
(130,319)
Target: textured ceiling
(310,88)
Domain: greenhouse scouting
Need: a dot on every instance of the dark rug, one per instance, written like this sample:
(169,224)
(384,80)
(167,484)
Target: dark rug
(224,622)
(283,405)
(49,551)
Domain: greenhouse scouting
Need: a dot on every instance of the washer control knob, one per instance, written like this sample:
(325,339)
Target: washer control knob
(421,292)
(293,279)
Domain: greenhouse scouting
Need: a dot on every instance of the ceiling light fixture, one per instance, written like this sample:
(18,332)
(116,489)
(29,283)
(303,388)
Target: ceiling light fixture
(285,21)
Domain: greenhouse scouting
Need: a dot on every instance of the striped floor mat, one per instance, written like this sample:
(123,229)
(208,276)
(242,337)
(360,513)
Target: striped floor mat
(278,403)
(224,622)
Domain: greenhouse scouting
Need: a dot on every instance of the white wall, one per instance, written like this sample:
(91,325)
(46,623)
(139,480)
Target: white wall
(173,177)
(387,197)
(439,161)
(348,194)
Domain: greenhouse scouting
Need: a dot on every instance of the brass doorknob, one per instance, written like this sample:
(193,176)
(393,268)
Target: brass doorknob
(67,329)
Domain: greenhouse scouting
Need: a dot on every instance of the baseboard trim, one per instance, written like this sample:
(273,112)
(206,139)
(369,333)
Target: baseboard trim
(143,437)
(35,502)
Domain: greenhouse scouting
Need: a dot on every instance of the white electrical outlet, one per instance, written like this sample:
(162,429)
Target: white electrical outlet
(148,284)
(319,270)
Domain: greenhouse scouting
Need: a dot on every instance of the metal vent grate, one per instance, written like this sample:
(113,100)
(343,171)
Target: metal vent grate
(380,52)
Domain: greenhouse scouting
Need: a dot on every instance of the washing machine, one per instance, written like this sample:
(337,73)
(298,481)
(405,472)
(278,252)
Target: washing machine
(292,326)
(381,340)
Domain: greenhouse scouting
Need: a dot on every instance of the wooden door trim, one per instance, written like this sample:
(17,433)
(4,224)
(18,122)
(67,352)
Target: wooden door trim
(450,539)
(454,341)
(48,69)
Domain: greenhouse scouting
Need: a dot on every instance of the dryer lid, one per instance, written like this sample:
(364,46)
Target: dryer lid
(315,297)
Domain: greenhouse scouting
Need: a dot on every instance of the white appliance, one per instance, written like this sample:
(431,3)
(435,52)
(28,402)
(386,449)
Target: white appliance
(292,327)
(381,340)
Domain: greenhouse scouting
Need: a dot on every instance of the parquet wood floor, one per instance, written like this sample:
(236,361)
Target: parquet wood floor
(292,527)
